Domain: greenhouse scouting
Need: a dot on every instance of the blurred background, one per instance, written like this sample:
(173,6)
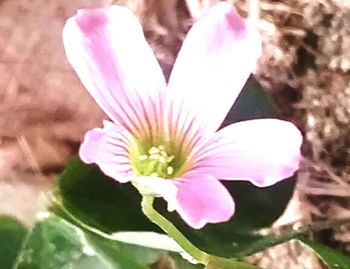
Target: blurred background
(44,110)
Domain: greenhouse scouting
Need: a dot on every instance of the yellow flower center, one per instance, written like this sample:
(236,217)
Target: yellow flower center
(159,161)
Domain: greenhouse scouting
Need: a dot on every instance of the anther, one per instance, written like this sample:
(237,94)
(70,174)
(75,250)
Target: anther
(156,162)
(162,159)
(153,150)
(170,158)
(154,156)
(170,170)
(163,153)
(143,157)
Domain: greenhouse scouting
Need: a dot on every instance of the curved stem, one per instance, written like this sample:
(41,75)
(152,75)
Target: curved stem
(274,240)
(171,230)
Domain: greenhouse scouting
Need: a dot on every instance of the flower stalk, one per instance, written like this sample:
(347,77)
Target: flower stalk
(210,261)
(169,228)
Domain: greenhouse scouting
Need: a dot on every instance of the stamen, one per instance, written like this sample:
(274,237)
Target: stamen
(154,156)
(162,159)
(143,157)
(170,170)
(163,153)
(153,150)
(157,163)
(170,158)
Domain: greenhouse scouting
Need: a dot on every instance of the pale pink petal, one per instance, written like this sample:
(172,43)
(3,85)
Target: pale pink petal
(262,151)
(167,189)
(199,199)
(202,199)
(108,51)
(216,58)
(108,148)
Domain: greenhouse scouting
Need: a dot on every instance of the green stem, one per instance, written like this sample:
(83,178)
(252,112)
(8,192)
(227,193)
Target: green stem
(222,263)
(153,215)
(274,240)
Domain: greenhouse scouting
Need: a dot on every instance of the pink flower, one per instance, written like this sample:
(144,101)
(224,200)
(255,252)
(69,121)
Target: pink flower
(163,136)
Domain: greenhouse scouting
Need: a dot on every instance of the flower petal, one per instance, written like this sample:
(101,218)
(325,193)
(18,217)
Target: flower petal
(202,199)
(262,151)
(150,185)
(199,199)
(109,53)
(217,56)
(107,148)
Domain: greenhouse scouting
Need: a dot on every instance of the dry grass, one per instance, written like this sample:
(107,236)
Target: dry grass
(311,84)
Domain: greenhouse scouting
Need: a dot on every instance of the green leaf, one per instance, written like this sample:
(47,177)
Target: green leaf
(252,103)
(12,234)
(332,258)
(110,206)
(100,201)
(54,243)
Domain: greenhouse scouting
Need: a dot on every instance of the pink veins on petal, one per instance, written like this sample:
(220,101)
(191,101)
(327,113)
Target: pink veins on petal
(165,135)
